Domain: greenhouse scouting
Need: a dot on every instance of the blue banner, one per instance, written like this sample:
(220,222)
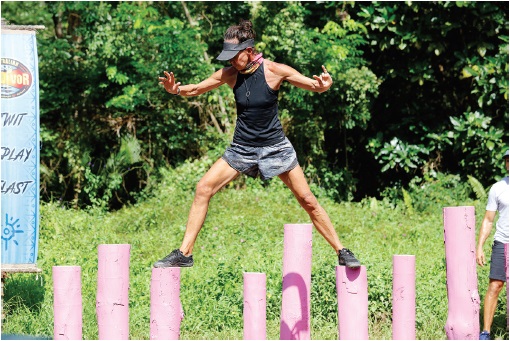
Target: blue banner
(20,147)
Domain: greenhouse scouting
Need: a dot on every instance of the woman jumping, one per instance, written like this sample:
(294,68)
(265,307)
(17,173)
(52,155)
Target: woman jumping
(259,145)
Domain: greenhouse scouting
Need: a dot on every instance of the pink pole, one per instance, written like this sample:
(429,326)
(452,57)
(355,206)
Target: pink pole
(112,302)
(352,290)
(297,279)
(166,308)
(254,310)
(507,291)
(404,297)
(67,303)
(461,280)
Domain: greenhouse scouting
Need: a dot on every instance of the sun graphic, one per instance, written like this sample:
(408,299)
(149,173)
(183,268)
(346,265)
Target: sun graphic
(9,230)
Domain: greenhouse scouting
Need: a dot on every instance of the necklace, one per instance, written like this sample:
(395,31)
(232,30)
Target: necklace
(250,69)
(248,93)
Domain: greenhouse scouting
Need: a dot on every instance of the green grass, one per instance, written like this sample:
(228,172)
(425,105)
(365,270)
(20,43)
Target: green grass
(243,232)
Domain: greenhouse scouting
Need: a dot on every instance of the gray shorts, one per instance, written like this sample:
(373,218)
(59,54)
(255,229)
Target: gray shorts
(498,261)
(268,161)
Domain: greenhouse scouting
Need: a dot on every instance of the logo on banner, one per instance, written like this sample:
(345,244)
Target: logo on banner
(9,231)
(16,78)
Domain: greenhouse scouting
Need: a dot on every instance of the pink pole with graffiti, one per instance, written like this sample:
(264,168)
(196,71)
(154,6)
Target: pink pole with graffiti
(352,291)
(297,279)
(404,297)
(112,302)
(67,303)
(254,309)
(166,308)
(461,281)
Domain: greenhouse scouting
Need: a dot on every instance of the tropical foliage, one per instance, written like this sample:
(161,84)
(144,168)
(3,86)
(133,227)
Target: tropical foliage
(420,88)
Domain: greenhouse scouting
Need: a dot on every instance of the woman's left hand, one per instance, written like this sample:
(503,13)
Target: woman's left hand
(325,80)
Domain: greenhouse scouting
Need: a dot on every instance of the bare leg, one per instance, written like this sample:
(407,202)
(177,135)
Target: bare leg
(295,180)
(216,177)
(491,302)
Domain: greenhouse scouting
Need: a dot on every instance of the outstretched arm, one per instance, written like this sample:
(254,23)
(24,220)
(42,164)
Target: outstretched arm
(175,88)
(319,83)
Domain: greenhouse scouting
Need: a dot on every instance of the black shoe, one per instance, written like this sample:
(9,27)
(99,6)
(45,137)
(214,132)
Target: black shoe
(175,259)
(347,258)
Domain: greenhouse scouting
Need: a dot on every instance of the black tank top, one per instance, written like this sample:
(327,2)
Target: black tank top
(257,123)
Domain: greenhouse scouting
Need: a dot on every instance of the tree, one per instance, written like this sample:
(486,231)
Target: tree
(419,88)
(443,103)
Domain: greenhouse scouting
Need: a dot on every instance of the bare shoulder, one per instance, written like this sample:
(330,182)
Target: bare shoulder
(227,75)
(276,73)
(280,69)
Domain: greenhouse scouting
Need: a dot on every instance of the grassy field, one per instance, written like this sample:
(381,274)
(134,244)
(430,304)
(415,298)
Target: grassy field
(243,233)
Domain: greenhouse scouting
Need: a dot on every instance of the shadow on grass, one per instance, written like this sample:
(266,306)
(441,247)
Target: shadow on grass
(23,291)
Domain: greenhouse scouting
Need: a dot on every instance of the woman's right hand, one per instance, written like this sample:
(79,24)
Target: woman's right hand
(169,83)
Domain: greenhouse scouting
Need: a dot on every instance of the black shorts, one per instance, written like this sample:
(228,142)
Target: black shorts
(267,161)
(498,269)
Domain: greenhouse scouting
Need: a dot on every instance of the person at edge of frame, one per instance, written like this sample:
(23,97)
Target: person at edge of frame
(499,198)
(259,145)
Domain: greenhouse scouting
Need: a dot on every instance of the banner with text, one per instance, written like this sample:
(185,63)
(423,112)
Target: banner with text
(20,147)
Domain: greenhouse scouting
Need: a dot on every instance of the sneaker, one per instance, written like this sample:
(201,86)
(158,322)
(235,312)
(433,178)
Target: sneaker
(175,259)
(347,258)
(485,335)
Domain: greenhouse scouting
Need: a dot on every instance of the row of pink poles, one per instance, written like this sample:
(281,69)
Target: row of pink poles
(462,285)
(352,289)
(112,302)
(166,312)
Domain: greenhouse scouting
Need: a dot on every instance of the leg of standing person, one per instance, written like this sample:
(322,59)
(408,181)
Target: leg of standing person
(219,175)
(497,279)
(491,303)
(296,181)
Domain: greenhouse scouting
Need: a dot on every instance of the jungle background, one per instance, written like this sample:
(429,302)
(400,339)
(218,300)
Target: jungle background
(416,120)
(420,90)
